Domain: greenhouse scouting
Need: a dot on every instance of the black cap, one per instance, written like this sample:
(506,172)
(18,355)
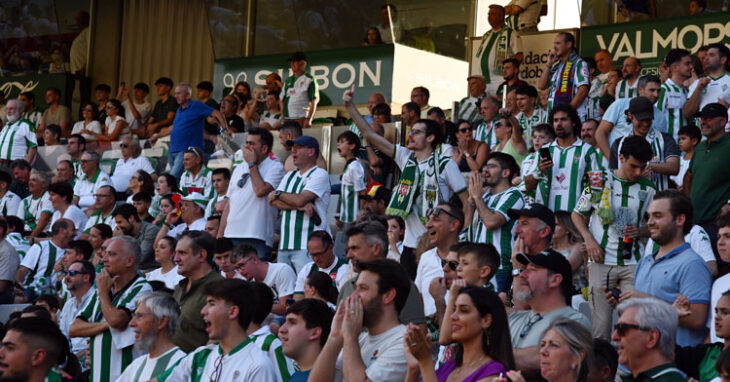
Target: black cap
(297,56)
(164,81)
(205,85)
(377,193)
(535,210)
(554,262)
(712,110)
(641,108)
(305,141)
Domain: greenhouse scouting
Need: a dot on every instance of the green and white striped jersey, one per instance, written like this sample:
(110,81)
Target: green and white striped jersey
(495,47)
(297,93)
(16,138)
(98,218)
(562,184)
(592,104)
(503,237)
(32,208)
(111,350)
(663,147)
(626,90)
(580,78)
(19,243)
(718,88)
(244,363)
(353,181)
(40,259)
(485,133)
(539,115)
(202,182)
(271,118)
(271,346)
(635,196)
(296,225)
(469,109)
(144,368)
(9,203)
(672,98)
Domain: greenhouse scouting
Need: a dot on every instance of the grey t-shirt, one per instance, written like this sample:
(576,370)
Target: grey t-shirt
(525,326)
(9,261)
(412,312)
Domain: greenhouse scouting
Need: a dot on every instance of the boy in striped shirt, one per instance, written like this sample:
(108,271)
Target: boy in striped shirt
(673,94)
(353,178)
(530,114)
(261,335)
(611,220)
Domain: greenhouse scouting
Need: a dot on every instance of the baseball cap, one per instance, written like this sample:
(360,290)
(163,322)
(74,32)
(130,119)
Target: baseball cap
(535,210)
(476,77)
(305,141)
(297,56)
(377,193)
(164,81)
(641,108)
(712,110)
(197,198)
(554,262)
(205,85)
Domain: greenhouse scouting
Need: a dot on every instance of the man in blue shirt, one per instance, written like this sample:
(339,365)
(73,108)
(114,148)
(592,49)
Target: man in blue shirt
(187,127)
(675,269)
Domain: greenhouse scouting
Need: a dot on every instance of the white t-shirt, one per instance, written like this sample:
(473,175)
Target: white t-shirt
(280,278)
(720,286)
(40,258)
(353,182)
(74,214)
(339,273)
(94,126)
(429,268)
(144,368)
(16,138)
(85,188)
(124,170)
(718,88)
(683,166)
(112,124)
(243,203)
(382,355)
(144,109)
(450,182)
(171,278)
(198,225)
(9,203)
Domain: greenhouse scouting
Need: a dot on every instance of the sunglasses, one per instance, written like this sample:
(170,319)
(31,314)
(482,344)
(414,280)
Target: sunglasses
(465,130)
(436,211)
(193,150)
(74,272)
(244,179)
(124,145)
(452,264)
(622,328)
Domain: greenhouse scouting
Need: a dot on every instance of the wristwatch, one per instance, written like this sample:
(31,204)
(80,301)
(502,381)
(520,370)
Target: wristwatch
(277,193)
(252,164)
(467,155)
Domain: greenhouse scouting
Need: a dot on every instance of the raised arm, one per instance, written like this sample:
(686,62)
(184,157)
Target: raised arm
(366,130)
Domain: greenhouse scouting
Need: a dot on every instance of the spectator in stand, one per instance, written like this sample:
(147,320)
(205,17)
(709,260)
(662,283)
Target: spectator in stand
(21,177)
(420,96)
(484,131)
(631,70)
(137,109)
(55,114)
(141,181)
(128,223)
(469,106)
(689,137)
(187,129)
(114,125)
(228,108)
(204,89)
(87,122)
(247,195)
(221,181)
(374,202)
(36,209)
(167,206)
(588,133)
(289,131)
(523,16)
(721,284)
(194,259)
(167,273)
(673,94)
(469,154)
(32,347)
(302,198)
(197,177)
(353,177)
(212,224)
(511,75)
(382,289)
(102,92)
(75,148)
(222,258)
(271,118)
(52,135)
(300,94)
(17,140)
(410,113)
(475,324)
(645,335)
(130,162)
(9,201)
(510,136)
(189,217)
(98,235)
(278,276)
(304,334)
(372,37)
(604,362)
(318,285)
(706,183)
(9,262)
(499,43)
(64,171)
(31,113)
(79,282)
(61,197)
(530,114)
(166,185)
(569,88)
(91,181)
(714,87)
(321,249)
(163,112)
(102,211)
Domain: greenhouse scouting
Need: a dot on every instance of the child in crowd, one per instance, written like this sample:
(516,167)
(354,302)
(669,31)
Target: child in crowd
(396,232)
(689,137)
(542,134)
(353,178)
(478,263)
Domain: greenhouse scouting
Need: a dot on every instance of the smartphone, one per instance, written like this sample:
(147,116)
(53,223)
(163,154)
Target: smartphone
(545,153)
(616,293)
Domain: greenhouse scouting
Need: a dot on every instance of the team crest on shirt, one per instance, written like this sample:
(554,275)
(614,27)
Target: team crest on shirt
(374,356)
(236,374)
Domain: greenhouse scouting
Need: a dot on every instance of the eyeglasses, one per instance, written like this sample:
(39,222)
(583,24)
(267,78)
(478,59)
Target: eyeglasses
(452,264)
(316,254)
(534,320)
(109,107)
(465,130)
(73,272)
(623,327)
(416,131)
(436,211)
(244,263)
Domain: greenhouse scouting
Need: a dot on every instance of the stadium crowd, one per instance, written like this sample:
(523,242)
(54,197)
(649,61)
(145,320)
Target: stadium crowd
(578,231)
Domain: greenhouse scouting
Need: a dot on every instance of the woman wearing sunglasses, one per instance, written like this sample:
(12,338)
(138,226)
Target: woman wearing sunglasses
(88,125)
(469,153)
(114,125)
(509,134)
(475,322)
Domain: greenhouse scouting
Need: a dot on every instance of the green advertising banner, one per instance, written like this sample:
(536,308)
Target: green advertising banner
(650,41)
(37,84)
(370,69)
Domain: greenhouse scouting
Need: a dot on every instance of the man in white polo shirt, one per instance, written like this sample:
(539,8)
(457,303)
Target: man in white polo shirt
(93,179)
(17,138)
(251,183)
(192,208)
(129,163)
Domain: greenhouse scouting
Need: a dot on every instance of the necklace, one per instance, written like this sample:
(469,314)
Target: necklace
(468,366)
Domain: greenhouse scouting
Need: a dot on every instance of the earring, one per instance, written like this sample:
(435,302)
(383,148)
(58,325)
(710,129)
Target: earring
(573,366)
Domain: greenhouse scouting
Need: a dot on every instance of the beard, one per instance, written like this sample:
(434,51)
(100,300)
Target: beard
(664,236)
(372,311)
(13,117)
(145,342)
(529,294)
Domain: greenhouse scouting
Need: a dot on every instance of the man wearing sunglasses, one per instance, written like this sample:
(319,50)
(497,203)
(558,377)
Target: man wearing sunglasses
(321,250)
(79,281)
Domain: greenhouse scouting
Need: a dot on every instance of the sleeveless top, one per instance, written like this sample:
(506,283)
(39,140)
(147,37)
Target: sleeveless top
(491,368)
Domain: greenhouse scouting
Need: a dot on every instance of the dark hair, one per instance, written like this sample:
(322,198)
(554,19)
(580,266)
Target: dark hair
(722,220)
(36,311)
(352,139)
(292,127)
(126,210)
(323,236)
(87,268)
(55,90)
(722,366)
(199,241)
(103,87)
(604,355)
(223,244)
(214,217)
(83,247)
(264,301)
(722,50)
(171,182)
(316,314)
(59,225)
(399,220)
(591,62)
(50,299)
(63,189)
(223,171)
(43,333)
(675,55)
(423,90)
(432,128)
(455,210)
(485,254)
(512,61)
(382,109)
(438,111)
(148,185)
(391,275)
(692,131)
(142,196)
(546,129)
(3,226)
(6,178)
(636,147)
(572,115)
(55,130)
(496,340)
(322,283)
(117,105)
(378,39)
(506,162)
(266,137)
(142,86)
(21,164)
(645,79)
(412,106)
(568,37)
(235,292)
(81,139)
(374,233)
(679,204)
(697,64)
(104,229)
(242,251)
(29,95)
(14,223)
(527,90)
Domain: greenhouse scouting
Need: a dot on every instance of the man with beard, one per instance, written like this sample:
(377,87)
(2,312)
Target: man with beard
(128,223)
(351,354)
(80,284)
(30,349)
(469,106)
(511,75)
(675,269)
(631,69)
(565,76)
(18,138)
(588,132)
(545,283)
(673,94)
(154,324)
(374,202)
(716,86)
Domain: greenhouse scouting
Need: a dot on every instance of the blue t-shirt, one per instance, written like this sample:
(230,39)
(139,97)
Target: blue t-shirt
(616,114)
(188,126)
(680,271)
(300,376)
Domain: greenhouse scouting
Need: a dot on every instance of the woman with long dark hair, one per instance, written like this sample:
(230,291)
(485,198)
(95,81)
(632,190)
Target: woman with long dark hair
(140,181)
